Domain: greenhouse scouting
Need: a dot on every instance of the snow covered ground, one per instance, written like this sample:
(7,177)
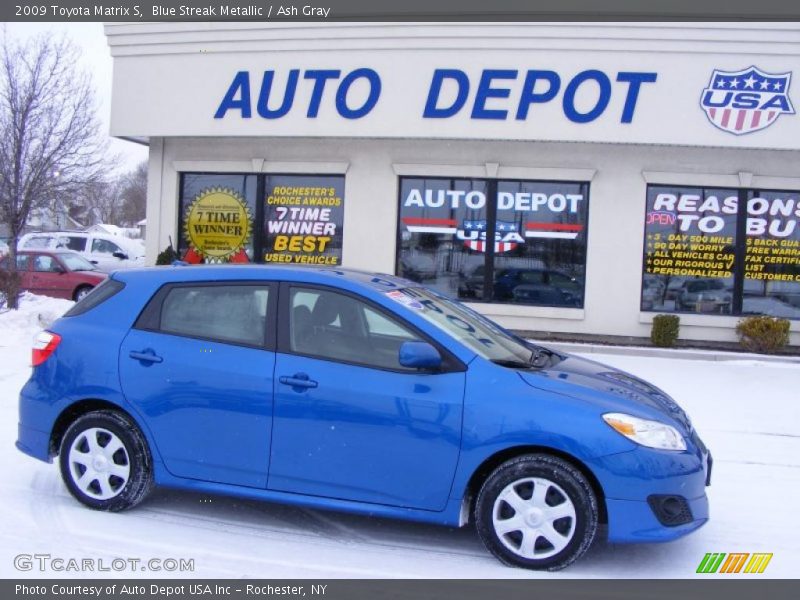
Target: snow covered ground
(748,412)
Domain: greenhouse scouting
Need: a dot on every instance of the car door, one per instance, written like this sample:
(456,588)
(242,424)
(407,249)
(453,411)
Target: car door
(49,277)
(198,365)
(101,254)
(23,270)
(349,421)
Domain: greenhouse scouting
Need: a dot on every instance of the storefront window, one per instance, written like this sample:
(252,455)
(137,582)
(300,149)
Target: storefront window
(772,255)
(721,251)
(217,213)
(521,242)
(303,219)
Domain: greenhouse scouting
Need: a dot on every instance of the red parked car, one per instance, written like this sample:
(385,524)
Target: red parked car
(57,274)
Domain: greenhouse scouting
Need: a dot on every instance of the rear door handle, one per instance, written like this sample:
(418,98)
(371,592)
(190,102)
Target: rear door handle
(147,356)
(298,380)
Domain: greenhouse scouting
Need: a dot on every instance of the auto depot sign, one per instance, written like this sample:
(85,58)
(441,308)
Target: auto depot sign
(493,87)
(656,98)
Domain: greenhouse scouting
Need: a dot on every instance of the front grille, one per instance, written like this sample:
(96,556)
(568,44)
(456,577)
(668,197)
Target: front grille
(670,511)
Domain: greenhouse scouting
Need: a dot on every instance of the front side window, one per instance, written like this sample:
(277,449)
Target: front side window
(333,326)
(45,264)
(225,313)
(102,246)
(521,242)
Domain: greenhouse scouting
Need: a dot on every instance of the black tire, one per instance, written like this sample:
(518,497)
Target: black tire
(115,493)
(562,484)
(81,291)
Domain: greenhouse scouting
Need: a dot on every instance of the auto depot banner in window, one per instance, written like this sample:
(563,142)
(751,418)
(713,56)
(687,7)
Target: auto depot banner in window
(722,251)
(500,241)
(303,219)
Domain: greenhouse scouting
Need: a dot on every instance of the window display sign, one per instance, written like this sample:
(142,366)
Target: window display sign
(303,219)
(706,251)
(772,254)
(217,226)
(499,241)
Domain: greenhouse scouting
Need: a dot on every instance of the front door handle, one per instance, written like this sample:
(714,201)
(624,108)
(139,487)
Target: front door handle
(298,380)
(146,356)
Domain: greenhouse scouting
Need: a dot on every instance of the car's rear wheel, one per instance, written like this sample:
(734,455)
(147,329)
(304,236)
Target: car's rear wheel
(105,461)
(537,511)
(81,292)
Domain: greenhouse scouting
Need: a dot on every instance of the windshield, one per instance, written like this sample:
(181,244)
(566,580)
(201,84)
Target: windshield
(75,262)
(484,337)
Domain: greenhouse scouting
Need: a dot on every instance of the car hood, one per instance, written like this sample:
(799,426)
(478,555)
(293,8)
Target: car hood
(573,375)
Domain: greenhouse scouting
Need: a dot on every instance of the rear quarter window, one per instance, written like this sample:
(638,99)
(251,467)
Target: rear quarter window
(97,296)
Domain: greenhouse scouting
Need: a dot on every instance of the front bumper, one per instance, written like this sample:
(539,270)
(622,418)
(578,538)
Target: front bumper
(630,478)
(634,521)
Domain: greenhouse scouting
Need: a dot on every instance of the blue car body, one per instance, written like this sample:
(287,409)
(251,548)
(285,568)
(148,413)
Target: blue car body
(218,418)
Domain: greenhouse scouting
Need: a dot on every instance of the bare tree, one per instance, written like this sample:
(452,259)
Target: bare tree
(102,201)
(134,194)
(50,142)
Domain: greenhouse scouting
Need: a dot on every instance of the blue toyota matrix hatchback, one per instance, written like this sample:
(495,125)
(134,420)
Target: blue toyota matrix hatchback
(351,391)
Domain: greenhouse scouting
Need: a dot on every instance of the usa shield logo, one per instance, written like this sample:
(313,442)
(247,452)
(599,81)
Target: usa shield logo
(745,101)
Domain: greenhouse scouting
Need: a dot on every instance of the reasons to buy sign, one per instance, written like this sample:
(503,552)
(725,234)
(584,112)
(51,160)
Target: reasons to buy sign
(304,219)
(218,224)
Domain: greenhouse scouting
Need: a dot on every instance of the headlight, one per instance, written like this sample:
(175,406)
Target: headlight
(652,434)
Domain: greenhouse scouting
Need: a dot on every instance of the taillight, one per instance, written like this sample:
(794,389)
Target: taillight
(44,345)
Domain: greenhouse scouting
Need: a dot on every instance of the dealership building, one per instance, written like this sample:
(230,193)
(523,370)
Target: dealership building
(560,177)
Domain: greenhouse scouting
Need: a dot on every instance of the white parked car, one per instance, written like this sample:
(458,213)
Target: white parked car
(107,252)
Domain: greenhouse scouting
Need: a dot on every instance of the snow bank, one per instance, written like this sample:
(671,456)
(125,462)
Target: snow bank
(34,313)
(18,328)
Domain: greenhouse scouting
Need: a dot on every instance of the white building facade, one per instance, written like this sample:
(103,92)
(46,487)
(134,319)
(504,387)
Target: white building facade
(573,178)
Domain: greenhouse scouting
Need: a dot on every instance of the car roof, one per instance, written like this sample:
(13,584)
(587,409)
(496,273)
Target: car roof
(345,278)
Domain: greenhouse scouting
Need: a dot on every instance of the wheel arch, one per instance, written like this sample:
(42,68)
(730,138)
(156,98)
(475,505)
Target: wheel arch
(77,409)
(485,469)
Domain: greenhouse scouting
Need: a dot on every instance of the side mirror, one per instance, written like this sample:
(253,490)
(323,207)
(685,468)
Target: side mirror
(419,355)
(58,269)
(120,255)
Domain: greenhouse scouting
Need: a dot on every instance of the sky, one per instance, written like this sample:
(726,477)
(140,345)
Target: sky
(89,37)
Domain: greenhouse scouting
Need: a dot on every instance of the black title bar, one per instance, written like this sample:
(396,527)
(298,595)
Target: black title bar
(397,10)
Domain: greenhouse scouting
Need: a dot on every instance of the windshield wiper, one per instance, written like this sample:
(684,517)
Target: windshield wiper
(512,364)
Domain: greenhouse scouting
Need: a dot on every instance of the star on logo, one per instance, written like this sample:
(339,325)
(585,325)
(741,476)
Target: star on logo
(777,86)
(763,84)
(749,82)
(720,82)
(734,83)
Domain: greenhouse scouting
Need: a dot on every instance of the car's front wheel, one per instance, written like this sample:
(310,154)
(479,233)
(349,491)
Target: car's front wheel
(537,511)
(105,461)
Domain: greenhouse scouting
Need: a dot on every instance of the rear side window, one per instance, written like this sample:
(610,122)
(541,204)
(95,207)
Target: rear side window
(97,296)
(225,313)
(71,242)
(22,262)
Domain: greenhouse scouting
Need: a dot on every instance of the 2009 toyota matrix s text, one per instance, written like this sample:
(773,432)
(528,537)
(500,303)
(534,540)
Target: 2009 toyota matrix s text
(366,393)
